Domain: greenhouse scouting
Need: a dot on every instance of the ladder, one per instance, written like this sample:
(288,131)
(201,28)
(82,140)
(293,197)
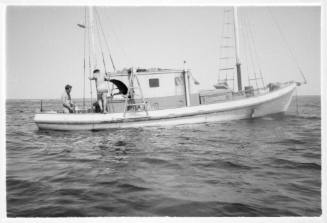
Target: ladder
(129,101)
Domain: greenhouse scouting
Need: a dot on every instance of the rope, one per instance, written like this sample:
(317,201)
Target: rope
(100,46)
(90,68)
(101,49)
(226,57)
(91,36)
(256,55)
(106,43)
(221,51)
(287,45)
(296,101)
(109,51)
(119,44)
(252,59)
(232,30)
(84,60)
(247,49)
(253,53)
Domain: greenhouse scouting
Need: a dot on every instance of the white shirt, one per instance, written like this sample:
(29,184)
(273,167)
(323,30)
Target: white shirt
(66,99)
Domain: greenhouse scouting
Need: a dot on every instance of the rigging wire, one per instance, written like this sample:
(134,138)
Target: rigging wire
(108,49)
(100,46)
(232,30)
(247,55)
(226,60)
(246,49)
(98,23)
(252,60)
(256,55)
(91,36)
(106,43)
(84,60)
(117,40)
(102,53)
(220,51)
(287,45)
(89,52)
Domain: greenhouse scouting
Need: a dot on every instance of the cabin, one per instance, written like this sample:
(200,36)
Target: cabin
(161,88)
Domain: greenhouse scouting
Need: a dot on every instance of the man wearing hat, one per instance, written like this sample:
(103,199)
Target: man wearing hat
(69,106)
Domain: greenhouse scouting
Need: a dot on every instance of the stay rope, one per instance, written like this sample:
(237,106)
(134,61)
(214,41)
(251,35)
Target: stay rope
(119,45)
(226,66)
(287,45)
(100,46)
(84,60)
(220,51)
(256,55)
(246,46)
(98,24)
(89,57)
(109,52)
(252,59)
(106,43)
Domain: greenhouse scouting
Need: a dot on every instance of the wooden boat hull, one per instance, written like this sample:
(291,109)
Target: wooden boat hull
(273,102)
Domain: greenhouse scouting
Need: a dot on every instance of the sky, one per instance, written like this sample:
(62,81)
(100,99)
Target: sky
(44,46)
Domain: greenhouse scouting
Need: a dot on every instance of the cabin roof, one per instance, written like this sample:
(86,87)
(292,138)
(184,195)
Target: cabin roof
(144,71)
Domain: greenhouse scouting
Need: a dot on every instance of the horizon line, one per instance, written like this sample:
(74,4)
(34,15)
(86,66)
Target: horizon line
(94,98)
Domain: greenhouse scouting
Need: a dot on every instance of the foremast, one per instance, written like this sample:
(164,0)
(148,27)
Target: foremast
(237,50)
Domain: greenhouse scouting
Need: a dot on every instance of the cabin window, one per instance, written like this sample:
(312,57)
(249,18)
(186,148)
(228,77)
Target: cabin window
(154,82)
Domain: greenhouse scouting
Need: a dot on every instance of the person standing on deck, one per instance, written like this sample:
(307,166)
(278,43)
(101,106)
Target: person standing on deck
(69,106)
(102,89)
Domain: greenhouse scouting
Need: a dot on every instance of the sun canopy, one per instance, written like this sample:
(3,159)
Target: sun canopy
(120,85)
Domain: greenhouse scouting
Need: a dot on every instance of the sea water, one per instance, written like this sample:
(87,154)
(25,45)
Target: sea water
(268,166)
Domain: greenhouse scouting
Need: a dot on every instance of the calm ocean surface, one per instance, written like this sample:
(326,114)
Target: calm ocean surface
(262,167)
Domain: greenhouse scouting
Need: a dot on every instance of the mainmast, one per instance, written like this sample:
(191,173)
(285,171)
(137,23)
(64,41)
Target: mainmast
(238,64)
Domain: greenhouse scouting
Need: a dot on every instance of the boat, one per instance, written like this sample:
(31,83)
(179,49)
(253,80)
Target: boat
(130,107)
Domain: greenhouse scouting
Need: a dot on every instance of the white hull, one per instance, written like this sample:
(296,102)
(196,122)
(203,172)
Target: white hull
(274,102)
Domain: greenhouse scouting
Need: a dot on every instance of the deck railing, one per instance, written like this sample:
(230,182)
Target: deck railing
(117,105)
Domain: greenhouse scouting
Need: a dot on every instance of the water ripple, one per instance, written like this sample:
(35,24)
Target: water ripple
(268,166)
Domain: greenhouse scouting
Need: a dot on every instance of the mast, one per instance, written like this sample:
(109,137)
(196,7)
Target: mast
(84,60)
(238,64)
